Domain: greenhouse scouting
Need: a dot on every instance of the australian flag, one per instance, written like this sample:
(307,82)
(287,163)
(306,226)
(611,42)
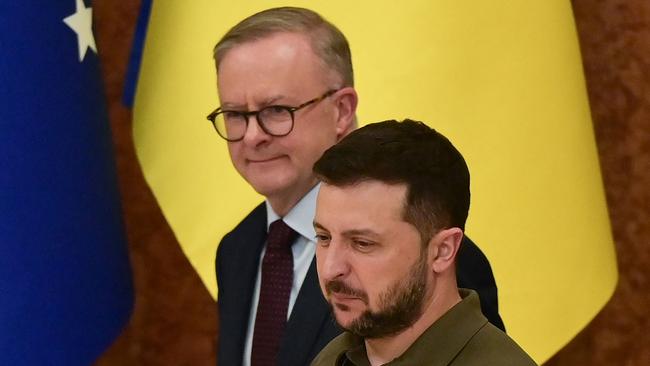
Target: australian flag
(65,285)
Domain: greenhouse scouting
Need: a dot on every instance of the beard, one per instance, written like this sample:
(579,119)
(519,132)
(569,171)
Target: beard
(399,306)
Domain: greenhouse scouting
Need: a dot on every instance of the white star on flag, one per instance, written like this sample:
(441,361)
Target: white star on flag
(81,22)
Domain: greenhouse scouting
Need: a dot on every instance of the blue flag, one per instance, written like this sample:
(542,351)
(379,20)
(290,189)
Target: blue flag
(65,285)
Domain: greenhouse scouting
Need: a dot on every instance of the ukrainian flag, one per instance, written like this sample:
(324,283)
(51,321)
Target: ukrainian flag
(502,79)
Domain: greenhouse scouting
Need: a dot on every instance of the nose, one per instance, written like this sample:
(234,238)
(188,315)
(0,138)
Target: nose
(254,134)
(332,262)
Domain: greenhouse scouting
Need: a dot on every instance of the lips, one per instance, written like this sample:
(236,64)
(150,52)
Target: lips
(264,160)
(339,291)
(344,302)
(338,297)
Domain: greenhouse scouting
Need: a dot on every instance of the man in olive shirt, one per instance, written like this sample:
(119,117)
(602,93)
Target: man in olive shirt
(286,88)
(390,217)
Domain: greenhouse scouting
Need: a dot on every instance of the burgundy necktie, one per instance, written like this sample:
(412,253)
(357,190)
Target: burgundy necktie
(277,277)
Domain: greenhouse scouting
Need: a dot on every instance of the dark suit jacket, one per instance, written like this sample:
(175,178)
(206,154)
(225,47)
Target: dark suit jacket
(310,325)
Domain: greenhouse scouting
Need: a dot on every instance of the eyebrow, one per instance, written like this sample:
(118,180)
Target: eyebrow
(265,103)
(366,232)
(350,232)
(319,226)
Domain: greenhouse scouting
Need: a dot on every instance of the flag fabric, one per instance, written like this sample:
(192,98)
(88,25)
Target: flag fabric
(503,80)
(65,285)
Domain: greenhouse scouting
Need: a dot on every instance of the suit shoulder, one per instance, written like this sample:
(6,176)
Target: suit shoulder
(241,241)
(255,220)
(473,257)
(490,346)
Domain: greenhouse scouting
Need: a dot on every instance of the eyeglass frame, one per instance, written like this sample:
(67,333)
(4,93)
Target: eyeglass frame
(246,114)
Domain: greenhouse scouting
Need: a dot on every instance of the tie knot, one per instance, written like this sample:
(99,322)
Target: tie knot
(280,235)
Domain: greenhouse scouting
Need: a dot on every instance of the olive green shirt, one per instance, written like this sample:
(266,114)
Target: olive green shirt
(461,337)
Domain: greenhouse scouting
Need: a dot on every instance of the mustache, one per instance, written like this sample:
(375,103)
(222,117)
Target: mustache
(339,287)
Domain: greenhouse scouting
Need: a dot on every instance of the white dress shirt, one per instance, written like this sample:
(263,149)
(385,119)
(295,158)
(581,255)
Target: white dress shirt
(300,219)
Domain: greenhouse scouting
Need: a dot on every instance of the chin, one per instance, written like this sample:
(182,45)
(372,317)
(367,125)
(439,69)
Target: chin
(344,324)
(271,185)
(345,318)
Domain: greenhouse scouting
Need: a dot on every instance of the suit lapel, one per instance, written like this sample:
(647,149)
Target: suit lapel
(305,323)
(249,246)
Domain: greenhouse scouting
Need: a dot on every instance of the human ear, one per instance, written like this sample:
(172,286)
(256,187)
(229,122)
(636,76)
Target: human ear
(346,107)
(444,247)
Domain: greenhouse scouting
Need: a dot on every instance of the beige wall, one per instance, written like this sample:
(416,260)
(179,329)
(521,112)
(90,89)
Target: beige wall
(174,321)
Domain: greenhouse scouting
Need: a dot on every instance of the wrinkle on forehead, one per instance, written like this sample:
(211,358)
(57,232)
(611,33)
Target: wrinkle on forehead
(264,102)
(263,71)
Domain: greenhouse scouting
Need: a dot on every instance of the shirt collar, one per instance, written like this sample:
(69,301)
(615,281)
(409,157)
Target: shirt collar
(301,217)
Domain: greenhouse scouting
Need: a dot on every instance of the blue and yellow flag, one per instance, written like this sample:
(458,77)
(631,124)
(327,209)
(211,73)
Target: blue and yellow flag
(502,79)
(65,285)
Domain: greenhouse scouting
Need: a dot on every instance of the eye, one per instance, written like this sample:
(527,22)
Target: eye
(275,113)
(363,245)
(322,239)
(232,116)
(276,109)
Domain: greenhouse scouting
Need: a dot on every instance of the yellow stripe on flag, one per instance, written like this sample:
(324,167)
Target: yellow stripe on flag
(502,79)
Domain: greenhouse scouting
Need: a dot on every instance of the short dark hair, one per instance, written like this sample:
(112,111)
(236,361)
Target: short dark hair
(410,153)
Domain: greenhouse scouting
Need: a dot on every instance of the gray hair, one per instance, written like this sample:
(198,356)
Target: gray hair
(327,41)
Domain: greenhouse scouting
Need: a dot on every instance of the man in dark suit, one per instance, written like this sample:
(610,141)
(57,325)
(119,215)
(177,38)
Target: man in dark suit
(287,94)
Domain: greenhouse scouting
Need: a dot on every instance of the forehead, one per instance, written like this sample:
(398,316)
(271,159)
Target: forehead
(364,203)
(274,63)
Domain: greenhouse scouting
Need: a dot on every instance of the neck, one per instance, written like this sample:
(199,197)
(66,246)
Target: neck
(383,350)
(283,202)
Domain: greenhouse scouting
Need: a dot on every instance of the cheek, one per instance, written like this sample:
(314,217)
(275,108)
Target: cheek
(234,149)
(302,153)
(378,281)
(316,135)
(311,148)
(374,290)
(372,277)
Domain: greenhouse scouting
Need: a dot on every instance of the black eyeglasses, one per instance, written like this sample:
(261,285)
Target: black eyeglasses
(275,120)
